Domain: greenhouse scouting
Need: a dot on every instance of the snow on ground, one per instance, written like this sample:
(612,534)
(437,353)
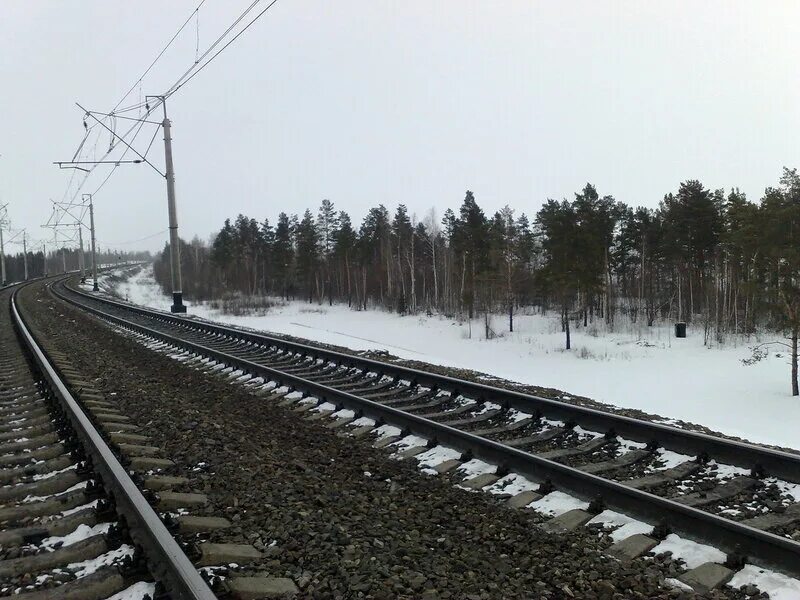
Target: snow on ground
(408,442)
(138,591)
(779,587)
(82,532)
(139,288)
(692,553)
(512,484)
(473,468)
(623,525)
(671,459)
(87,567)
(387,431)
(557,503)
(641,368)
(436,456)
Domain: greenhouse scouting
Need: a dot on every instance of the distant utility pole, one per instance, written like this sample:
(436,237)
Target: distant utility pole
(169,175)
(2,245)
(2,257)
(81,257)
(25,255)
(56,223)
(94,250)
(44,257)
(174,241)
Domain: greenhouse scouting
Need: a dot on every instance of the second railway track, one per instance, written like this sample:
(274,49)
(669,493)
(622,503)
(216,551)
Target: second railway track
(735,496)
(74,524)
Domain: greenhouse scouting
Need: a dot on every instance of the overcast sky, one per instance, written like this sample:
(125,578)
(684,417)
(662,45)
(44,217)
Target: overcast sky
(376,101)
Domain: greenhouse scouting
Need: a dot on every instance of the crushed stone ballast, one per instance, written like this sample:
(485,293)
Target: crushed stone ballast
(593,455)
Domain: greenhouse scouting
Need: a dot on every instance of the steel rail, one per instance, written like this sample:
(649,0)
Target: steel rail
(785,465)
(164,555)
(768,549)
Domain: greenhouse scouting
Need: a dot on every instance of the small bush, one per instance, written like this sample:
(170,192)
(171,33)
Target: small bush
(242,305)
(758,353)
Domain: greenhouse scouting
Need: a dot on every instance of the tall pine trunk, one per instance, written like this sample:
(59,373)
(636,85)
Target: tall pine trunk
(349,288)
(795,391)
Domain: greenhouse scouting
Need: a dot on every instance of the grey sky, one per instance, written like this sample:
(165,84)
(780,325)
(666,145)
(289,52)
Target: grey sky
(370,101)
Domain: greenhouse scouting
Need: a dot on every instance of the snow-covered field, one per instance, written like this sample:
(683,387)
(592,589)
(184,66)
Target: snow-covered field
(648,370)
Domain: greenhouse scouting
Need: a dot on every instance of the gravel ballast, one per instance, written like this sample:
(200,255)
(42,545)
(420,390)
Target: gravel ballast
(338,517)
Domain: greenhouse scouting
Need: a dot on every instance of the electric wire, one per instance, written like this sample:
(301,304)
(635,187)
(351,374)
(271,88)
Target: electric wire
(122,99)
(205,64)
(160,54)
(208,50)
(148,237)
(187,76)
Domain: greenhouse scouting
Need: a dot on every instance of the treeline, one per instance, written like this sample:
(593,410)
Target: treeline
(705,256)
(15,263)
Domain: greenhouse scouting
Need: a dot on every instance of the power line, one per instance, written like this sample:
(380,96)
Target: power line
(121,100)
(246,27)
(187,76)
(208,50)
(160,54)
(197,60)
(156,234)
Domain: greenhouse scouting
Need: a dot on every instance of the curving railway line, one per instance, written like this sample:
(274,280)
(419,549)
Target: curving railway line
(735,496)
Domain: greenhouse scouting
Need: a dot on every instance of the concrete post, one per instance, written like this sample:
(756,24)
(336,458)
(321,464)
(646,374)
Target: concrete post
(81,257)
(25,255)
(94,252)
(2,258)
(174,242)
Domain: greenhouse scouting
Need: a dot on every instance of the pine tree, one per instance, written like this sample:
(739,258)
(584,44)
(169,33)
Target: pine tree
(470,243)
(307,242)
(344,244)
(327,223)
(283,255)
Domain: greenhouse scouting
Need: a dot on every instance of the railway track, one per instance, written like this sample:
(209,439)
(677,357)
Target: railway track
(73,524)
(737,497)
